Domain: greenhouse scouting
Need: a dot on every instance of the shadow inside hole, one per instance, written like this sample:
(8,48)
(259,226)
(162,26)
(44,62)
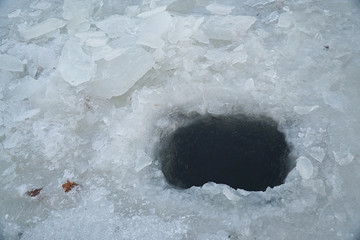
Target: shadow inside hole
(246,152)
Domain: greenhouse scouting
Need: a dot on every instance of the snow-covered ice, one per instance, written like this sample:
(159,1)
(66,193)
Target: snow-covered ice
(88,88)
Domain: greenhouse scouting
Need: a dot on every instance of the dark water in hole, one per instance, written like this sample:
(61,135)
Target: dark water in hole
(243,152)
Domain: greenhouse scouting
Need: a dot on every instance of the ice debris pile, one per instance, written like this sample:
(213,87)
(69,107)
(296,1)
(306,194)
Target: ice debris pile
(89,87)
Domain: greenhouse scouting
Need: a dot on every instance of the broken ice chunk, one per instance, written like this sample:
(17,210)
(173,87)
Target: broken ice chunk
(183,28)
(11,140)
(40,5)
(272,17)
(79,9)
(99,143)
(42,28)
(285,20)
(317,186)
(337,100)
(35,13)
(255,3)
(100,52)
(26,115)
(225,56)
(230,194)
(75,66)
(238,57)
(132,11)
(106,52)
(14,14)
(142,160)
(152,29)
(116,25)
(10,170)
(115,53)
(249,85)
(117,76)
(305,167)
(219,9)
(152,12)
(182,6)
(10,63)
(343,158)
(26,89)
(318,153)
(201,36)
(98,194)
(96,41)
(77,25)
(228,27)
(239,48)
(124,41)
(93,39)
(217,55)
(303,110)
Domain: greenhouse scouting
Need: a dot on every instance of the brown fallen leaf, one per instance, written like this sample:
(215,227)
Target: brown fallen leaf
(34,192)
(69,185)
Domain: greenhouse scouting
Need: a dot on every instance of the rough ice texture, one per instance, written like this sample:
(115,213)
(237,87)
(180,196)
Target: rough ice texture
(152,12)
(26,115)
(10,63)
(226,57)
(219,9)
(343,158)
(26,89)
(75,66)
(139,227)
(42,5)
(79,9)
(183,28)
(272,17)
(318,153)
(86,103)
(302,110)
(116,25)
(215,29)
(42,28)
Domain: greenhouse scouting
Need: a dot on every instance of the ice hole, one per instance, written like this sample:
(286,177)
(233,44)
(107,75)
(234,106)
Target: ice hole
(246,152)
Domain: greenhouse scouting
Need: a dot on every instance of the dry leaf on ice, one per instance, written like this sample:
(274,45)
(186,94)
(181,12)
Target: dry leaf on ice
(34,192)
(69,185)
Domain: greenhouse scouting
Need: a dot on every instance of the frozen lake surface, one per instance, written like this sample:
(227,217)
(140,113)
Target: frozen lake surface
(89,87)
